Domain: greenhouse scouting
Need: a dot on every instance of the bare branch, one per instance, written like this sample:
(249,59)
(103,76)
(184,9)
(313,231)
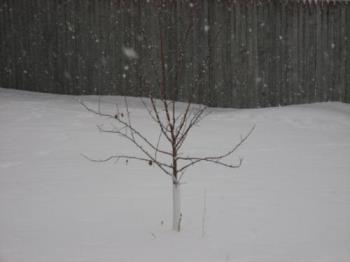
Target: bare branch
(161,125)
(163,81)
(183,120)
(128,116)
(94,111)
(134,141)
(159,164)
(217,159)
(115,157)
(149,111)
(128,157)
(195,119)
(126,125)
(156,151)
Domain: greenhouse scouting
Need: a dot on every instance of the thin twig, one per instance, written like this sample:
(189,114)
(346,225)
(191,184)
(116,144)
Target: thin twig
(217,159)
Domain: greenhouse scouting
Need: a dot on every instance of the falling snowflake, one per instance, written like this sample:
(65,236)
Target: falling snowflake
(67,75)
(103,61)
(130,53)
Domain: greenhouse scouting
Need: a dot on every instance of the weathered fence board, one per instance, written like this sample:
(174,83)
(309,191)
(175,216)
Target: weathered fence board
(238,53)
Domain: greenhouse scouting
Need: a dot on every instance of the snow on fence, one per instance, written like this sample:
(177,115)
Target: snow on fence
(236,54)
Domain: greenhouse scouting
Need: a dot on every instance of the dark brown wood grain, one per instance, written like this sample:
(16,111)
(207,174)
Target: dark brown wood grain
(238,54)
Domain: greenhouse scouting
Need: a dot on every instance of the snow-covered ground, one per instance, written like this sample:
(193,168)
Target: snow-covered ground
(290,201)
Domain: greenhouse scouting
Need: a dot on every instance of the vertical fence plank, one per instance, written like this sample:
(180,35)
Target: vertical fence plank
(240,53)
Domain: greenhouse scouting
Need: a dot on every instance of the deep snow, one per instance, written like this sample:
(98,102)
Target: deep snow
(290,201)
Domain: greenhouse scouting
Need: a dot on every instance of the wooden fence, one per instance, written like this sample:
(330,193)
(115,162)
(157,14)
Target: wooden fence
(243,53)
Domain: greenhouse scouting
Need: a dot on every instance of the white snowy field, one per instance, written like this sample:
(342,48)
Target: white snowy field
(290,201)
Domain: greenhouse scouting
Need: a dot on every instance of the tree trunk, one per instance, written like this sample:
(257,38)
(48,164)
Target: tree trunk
(177,215)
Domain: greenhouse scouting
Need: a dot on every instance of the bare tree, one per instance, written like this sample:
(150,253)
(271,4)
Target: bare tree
(174,125)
